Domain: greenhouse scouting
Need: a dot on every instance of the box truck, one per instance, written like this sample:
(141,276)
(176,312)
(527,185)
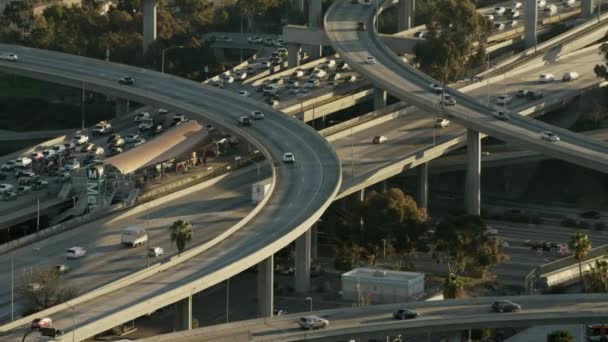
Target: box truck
(259,191)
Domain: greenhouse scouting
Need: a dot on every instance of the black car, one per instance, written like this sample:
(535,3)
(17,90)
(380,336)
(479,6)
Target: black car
(534,95)
(3,175)
(591,214)
(505,306)
(128,80)
(113,137)
(270,99)
(405,314)
(360,26)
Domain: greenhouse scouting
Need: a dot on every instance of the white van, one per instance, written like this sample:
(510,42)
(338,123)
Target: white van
(134,236)
(550,10)
(570,76)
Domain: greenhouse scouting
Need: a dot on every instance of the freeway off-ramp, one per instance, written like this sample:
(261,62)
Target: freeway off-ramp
(376,321)
(301,192)
(410,85)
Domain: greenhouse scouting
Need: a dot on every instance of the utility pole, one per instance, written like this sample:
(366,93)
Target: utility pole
(37,214)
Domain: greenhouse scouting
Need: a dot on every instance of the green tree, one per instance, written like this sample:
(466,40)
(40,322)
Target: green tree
(453,287)
(597,277)
(181,233)
(461,242)
(560,336)
(580,246)
(19,13)
(454,27)
(600,69)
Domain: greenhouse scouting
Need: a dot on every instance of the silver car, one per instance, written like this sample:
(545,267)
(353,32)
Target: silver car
(312,322)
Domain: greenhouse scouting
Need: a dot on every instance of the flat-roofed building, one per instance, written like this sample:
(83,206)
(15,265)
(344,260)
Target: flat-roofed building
(379,286)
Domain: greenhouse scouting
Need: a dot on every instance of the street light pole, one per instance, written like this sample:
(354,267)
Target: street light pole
(227,299)
(148,235)
(73,321)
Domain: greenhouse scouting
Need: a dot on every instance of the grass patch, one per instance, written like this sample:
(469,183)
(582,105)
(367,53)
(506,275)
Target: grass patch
(21,87)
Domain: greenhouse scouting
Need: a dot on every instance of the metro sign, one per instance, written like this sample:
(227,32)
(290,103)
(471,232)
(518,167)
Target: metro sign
(94,185)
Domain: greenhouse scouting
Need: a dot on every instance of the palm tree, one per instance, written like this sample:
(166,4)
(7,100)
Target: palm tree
(453,286)
(580,245)
(560,336)
(181,233)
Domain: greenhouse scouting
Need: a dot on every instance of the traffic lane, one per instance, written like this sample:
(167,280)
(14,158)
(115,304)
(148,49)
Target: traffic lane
(518,233)
(211,211)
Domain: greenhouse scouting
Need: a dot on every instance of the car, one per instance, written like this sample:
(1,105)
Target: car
(146,124)
(522,93)
(534,95)
(59,149)
(141,116)
(436,87)
(421,34)
(71,164)
(75,253)
(370,60)
(226,39)
(279,312)
(9,56)
(343,66)
(40,184)
(312,83)
(499,26)
(23,189)
(301,93)
(162,111)
(335,77)
(61,268)
(517,5)
(3,175)
(591,214)
(499,10)
(127,80)
(80,139)
(505,306)
(489,16)
(443,123)
(504,99)
(131,138)
(570,76)
(23,162)
(102,127)
(241,75)
(500,115)
(8,166)
(97,151)
(36,156)
(4,188)
(546,78)
(179,117)
(48,154)
(405,314)
(289,158)
(138,142)
(351,78)
(114,151)
(265,65)
(44,322)
(447,100)
(256,115)
(113,137)
(155,251)
(360,26)
(512,23)
(514,14)
(313,322)
(243,93)
(254,40)
(379,139)
(117,143)
(244,121)
(549,136)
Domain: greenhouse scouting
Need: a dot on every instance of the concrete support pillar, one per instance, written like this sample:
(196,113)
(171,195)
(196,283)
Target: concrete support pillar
(293,55)
(384,185)
(379,98)
(303,262)
(406,14)
(422,172)
(314,251)
(530,22)
(587,8)
(149,23)
(361,200)
(122,107)
(219,54)
(266,287)
(313,51)
(183,314)
(314,14)
(473,181)
(297,5)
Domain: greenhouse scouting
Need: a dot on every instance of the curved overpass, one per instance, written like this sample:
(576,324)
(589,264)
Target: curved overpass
(411,86)
(376,321)
(302,191)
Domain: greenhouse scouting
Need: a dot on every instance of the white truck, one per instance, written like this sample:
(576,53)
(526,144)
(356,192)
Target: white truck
(134,236)
(259,191)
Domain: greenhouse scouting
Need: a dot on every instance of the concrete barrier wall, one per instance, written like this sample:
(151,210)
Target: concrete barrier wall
(243,65)
(566,270)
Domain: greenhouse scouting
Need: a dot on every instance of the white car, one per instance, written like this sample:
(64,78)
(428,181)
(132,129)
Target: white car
(380,139)
(229,79)
(75,253)
(504,99)
(140,116)
(443,123)
(288,157)
(243,93)
(8,166)
(72,164)
(47,154)
(367,3)
(131,138)
(549,136)
(499,26)
(436,87)
(499,10)
(517,5)
(5,188)
(241,75)
(546,78)
(312,322)
(256,115)
(501,115)
(370,60)
(102,127)
(9,56)
(80,139)
(23,162)
(155,251)
(489,16)
(265,65)
(97,151)
(512,23)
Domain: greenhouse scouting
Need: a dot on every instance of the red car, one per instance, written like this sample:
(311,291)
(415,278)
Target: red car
(41,323)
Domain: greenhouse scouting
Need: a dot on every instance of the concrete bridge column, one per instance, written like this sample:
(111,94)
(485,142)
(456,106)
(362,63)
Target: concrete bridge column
(298,5)
(530,22)
(422,172)
(303,244)
(121,107)
(473,181)
(379,98)
(183,314)
(313,51)
(314,14)
(406,14)
(219,54)
(149,23)
(293,55)
(314,250)
(587,8)
(266,287)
